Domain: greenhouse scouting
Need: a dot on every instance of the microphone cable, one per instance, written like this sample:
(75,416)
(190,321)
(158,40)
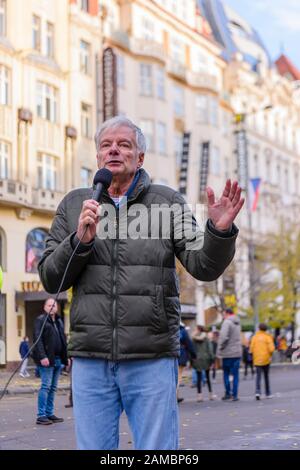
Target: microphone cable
(3,392)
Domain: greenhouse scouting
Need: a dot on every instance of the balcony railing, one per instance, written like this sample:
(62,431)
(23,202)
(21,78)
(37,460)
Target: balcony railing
(148,48)
(177,69)
(203,80)
(5,121)
(15,192)
(46,199)
(49,136)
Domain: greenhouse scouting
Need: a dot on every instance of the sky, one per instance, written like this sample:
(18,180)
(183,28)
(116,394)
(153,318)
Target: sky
(277,22)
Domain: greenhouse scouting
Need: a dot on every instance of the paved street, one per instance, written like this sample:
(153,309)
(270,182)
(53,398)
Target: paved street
(247,424)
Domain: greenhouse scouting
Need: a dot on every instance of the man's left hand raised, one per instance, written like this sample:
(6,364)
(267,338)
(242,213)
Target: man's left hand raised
(223,211)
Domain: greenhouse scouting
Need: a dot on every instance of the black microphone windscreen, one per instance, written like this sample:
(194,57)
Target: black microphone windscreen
(103,176)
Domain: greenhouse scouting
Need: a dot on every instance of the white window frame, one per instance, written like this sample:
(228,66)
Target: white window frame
(36,33)
(146,82)
(3,17)
(85,57)
(214,111)
(147,127)
(147,28)
(177,50)
(47,172)
(4,159)
(160,83)
(86,120)
(161,138)
(120,71)
(178,140)
(4,85)
(178,102)
(215,161)
(84,5)
(50,39)
(85,177)
(47,102)
(202,109)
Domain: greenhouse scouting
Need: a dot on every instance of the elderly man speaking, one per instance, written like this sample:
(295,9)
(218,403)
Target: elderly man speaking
(125,312)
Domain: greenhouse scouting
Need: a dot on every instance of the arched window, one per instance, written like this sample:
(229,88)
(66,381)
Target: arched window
(35,245)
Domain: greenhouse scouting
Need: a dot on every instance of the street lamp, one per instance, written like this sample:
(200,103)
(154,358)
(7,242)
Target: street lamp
(243,178)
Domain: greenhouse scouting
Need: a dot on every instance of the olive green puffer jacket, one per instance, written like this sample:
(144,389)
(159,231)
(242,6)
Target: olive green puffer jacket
(125,291)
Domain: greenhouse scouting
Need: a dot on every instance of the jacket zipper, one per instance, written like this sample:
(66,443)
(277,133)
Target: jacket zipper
(114,287)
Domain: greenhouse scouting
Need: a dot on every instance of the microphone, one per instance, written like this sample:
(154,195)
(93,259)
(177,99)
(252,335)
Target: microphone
(102,180)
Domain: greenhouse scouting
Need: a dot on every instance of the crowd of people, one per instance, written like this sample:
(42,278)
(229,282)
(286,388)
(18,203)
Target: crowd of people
(229,348)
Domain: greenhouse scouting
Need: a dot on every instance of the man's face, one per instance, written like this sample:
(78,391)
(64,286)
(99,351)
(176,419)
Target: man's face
(48,306)
(118,152)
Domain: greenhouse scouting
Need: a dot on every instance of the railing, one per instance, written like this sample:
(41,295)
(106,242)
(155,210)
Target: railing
(203,80)
(148,48)
(46,199)
(177,69)
(14,191)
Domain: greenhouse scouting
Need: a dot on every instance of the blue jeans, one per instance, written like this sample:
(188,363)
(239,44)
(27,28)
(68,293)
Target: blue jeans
(145,389)
(49,377)
(231,366)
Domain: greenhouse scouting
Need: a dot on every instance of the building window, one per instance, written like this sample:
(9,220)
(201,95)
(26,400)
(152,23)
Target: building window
(177,51)
(35,246)
(85,57)
(85,5)
(214,112)
(47,172)
(3,17)
(146,79)
(121,71)
(201,62)
(36,33)
(148,130)
(161,138)
(227,167)
(286,180)
(4,159)
(178,103)
(147,29)
(85,177)
(178,138)
(256,166)
(86,120)
(215,161)
(202,109)
(50,40)
(4,85)
(47,102)
(160,83)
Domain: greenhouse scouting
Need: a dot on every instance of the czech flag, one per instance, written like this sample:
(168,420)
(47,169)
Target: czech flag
(254,187)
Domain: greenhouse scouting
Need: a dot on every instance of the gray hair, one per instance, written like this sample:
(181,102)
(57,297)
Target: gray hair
(119,121)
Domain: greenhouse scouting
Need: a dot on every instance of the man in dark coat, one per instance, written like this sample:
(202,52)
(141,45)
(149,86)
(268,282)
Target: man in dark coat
(49,354)
(124,338)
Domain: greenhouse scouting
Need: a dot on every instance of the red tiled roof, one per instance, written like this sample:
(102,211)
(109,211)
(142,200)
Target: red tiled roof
(285,66)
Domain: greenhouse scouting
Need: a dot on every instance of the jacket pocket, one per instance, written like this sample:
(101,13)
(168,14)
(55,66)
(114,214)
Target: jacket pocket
(160,312)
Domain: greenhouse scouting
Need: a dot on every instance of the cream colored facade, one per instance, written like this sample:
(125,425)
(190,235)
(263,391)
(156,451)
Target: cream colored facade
(171,79)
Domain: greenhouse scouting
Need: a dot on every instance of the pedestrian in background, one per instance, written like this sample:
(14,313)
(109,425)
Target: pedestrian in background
(186,353)
(247,356)
(230,350)
(23,350)
(262,348)
(204,359)
(49,353)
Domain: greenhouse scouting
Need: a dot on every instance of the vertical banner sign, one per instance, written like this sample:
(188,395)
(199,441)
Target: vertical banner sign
(204,167)
(109,84)
(242,158)
(184,162)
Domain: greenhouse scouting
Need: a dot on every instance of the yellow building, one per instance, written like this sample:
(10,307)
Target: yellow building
(169,81)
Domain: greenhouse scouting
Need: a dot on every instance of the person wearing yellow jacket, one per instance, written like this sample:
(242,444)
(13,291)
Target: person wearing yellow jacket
(262,348)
